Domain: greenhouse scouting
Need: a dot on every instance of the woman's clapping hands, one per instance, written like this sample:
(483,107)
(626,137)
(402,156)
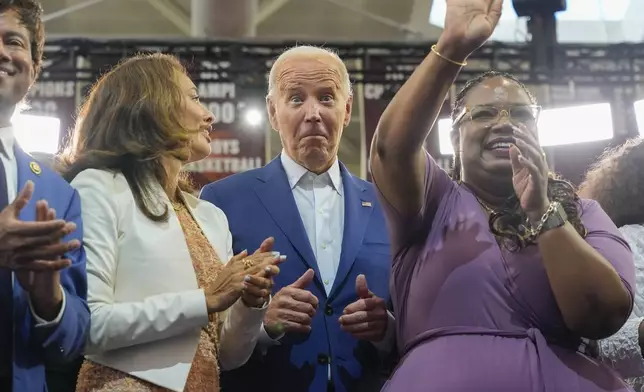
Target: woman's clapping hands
(245,276)
(260,284)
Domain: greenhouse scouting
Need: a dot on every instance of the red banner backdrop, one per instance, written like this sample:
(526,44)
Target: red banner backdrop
(237,143)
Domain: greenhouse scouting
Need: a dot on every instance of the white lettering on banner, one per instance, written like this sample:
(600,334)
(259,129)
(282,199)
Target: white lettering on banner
(216,90)
(373,91)
(225,164)
(394,74)
(225,147)
(218,69)
(399,72)
(47,108)
(44,96)
(53,90)
(219,99)
(224,112)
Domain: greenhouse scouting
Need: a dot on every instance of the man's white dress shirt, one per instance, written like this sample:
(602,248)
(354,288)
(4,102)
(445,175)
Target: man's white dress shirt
(320,202)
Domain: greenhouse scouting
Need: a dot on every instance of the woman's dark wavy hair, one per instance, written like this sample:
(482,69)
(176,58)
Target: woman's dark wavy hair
(616,182)
(508,222)
(130,123)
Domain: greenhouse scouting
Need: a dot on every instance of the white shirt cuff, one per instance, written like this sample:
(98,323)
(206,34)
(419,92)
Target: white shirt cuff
(42,323)
(264,342)
(387,343)
(239,334)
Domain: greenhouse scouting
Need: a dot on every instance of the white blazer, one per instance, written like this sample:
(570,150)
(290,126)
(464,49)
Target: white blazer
(147,309)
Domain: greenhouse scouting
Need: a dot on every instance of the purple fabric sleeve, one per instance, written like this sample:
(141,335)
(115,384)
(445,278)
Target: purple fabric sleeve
(403,229)
(606,239)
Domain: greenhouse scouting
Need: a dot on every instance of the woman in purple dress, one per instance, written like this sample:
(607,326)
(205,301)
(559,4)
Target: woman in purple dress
(500,270)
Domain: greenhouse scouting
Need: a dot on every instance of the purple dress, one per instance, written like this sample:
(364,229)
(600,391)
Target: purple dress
(475,317)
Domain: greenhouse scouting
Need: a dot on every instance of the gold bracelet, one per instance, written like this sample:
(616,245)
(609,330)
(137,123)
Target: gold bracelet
(546,215)
(464,63)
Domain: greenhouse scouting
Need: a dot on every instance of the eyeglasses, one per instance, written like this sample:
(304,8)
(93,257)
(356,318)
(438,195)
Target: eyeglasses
(487,114)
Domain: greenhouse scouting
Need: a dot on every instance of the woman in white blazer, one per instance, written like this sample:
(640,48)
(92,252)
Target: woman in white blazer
(169,301)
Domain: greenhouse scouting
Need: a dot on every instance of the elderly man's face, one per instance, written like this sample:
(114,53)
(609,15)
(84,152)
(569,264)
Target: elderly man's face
(310,108)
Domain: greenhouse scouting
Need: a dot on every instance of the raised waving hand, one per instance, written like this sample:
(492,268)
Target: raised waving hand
(398,162)
(471,22)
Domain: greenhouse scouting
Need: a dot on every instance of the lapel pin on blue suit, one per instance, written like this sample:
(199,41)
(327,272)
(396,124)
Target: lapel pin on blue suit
(35,168)
(366,203)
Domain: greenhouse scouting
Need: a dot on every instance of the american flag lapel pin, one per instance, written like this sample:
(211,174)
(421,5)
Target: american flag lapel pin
(366,203)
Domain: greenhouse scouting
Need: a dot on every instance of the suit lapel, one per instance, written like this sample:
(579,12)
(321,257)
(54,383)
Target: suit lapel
(357,210)
(276,195)
(28,169)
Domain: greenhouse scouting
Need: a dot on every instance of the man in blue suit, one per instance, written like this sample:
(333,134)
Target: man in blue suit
(327,326)
(44,316)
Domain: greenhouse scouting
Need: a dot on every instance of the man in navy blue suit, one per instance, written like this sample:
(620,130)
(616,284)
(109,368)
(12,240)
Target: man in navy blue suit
(327,326)
(44,318)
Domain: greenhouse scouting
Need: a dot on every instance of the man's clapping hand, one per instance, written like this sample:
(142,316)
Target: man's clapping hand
(292,308)
(34,246)
(367,318)
(38,267)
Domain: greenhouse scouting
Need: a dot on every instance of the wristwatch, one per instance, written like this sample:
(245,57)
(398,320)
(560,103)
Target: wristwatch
(557,217)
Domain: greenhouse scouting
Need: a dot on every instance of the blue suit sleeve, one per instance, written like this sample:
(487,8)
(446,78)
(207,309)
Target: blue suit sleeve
(208,194)
(66,341)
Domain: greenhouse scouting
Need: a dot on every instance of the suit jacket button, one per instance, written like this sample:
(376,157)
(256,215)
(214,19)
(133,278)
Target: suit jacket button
(323,359)
(328,310)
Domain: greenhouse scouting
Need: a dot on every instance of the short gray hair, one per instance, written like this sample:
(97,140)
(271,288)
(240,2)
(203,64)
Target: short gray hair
(305,51)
